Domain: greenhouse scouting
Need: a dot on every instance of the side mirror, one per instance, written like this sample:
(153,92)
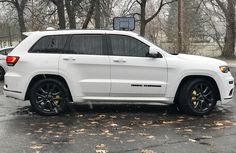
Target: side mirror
(153,52)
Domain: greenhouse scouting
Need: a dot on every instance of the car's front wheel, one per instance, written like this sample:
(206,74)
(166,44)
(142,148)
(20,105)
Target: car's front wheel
(2,73)
(197,97)
(49,97)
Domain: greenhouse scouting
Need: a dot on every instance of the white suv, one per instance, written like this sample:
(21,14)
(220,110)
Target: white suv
(53,68)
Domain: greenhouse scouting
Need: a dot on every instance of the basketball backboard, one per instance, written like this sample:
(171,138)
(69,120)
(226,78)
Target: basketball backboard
(124,23)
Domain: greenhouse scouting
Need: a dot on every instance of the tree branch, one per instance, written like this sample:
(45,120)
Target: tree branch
(158,11)
(222,6)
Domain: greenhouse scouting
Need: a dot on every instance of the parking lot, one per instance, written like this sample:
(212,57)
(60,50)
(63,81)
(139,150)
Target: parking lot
(116,129)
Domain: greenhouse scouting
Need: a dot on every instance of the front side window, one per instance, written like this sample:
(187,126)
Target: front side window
(127,46)
(86,44)
(50,44)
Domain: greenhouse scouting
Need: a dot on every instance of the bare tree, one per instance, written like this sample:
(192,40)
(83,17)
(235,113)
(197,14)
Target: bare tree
(70,9)
(19,6)
(143,20)
(61,12)
(97,15)
(89,14)
(229,13)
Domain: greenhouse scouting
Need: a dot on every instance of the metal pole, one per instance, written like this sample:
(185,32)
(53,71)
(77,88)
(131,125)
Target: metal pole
(180,26)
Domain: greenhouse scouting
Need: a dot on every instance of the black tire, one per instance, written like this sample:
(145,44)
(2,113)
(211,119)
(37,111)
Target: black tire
(197,97)
(49,97)
(2,73)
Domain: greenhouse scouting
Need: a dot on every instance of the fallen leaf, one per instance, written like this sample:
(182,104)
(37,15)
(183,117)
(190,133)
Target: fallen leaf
(147,151)
(61,126)
(188,130)
(39,130)
(81,130)
(143,134)
(36,146)
(127,128)
(105,130)
(28,134)
(167,122)
(114,125)
(131,140)
(92,134)
(101,151)
(94,122)
(100,145)
(113,117)
(116,138)
(192,140)
(155,125)
(219,124)
(206,137)
(121,132)
(150,137)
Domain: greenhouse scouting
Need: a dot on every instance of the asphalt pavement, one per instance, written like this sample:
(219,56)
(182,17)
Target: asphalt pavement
(116,129)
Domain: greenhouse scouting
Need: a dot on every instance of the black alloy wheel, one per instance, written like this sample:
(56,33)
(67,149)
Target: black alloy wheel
(2,73)
(49,97)
(197,97)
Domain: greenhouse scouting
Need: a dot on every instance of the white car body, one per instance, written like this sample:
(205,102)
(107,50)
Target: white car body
(113,78)
(3,57)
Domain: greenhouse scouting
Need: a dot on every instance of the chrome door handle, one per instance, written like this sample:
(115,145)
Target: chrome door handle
(66,58)
(119,60)
(69,58)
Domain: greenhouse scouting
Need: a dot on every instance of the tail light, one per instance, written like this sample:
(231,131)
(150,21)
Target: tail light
(12,60)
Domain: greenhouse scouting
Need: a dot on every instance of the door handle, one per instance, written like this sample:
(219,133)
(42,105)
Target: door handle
(69,58)
(121,60)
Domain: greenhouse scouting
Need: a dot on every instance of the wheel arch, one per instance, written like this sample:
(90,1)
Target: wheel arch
(190,77)
(44,76)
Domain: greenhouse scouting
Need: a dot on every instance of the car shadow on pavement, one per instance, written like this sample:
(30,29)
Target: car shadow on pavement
(167,110)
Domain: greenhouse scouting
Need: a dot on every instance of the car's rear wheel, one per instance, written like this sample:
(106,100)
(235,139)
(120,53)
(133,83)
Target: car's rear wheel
(2,73)
(197,97)
(49,97)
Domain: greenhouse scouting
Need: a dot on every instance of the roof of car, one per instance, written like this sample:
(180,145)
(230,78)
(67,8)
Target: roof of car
(10,47)
(58,32)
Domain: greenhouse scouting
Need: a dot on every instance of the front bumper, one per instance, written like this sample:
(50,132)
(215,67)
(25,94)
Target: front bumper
(227,89)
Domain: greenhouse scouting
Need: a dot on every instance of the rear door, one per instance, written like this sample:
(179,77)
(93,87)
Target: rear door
(132,73)
(86,66)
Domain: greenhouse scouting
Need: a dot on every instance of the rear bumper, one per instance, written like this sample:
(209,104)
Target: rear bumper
(13,94)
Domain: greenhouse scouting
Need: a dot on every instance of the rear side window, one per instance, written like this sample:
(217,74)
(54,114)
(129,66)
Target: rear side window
(127,46)
(49,44)
(86,44)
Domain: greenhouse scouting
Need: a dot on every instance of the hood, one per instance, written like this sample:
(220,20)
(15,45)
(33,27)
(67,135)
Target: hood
(202,59)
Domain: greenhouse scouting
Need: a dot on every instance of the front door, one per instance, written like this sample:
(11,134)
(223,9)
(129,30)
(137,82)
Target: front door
(132,73)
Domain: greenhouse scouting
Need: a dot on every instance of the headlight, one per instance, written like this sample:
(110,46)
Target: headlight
(224,69)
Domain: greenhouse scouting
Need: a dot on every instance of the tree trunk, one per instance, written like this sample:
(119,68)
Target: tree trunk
(142,17)
(180,26)
(20,12)
(21,22)
(61,14)
(89,14)
(71,13)
(229,46)
(97,14)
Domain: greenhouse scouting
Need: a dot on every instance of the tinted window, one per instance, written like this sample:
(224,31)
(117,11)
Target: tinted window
(6,51)
(86,44)
(128,46)
(3,52)
(49,44)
